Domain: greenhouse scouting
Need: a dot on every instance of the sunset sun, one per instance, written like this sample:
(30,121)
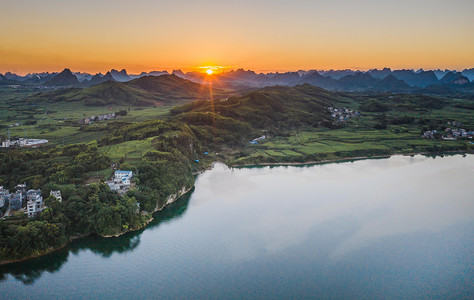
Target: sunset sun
(209,71)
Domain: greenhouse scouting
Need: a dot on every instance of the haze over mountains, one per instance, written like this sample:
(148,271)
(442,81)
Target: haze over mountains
(344,80)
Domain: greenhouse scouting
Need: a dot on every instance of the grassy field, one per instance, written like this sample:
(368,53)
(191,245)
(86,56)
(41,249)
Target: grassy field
(131,150)
(359,137)
(59,123)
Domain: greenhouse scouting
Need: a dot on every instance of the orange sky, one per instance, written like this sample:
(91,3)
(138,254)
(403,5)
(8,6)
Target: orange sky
(279,35)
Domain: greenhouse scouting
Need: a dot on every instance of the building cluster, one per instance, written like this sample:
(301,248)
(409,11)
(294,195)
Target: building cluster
(121,181)
(430,134)
(343,114)
(455,133)
(98,118)
(449,134)
(255,141)
(21,142)
(30,201)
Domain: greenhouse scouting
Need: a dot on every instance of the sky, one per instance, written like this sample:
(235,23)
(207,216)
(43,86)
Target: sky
(279,35)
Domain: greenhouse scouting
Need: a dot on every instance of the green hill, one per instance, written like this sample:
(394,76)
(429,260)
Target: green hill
(268,107)
(170,85)
(144,91)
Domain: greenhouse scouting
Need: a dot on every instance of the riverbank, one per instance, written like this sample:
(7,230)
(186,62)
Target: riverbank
(172,198)
(344,159)
(183,191)
(43,253)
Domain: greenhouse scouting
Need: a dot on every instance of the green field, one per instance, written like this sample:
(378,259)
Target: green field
(360,138)
(60,123)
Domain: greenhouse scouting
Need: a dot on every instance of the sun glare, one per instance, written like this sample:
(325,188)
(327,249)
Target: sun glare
(209,71)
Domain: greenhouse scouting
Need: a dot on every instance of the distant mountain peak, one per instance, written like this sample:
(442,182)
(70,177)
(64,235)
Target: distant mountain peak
(178,73)
(455,78)
(120,76)
(65,78)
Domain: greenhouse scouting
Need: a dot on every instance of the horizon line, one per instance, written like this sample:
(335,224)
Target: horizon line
(229,69)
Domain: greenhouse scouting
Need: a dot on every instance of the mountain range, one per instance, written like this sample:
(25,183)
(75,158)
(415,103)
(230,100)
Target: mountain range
(344,80)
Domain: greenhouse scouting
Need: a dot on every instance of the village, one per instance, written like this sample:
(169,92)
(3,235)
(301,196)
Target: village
(22,142)
(449,134)
(98,118)
(31,203)
(343,114)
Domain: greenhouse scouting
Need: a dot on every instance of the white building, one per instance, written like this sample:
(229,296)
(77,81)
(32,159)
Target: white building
(126,181)
(122,174)
(34,202)
(57,195)
(120,181)
(6,144)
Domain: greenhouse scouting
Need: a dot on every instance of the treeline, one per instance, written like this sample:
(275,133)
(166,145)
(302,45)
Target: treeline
(84,210)
(67,165)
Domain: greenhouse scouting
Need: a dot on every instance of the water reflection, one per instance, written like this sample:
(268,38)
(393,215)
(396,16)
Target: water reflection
(364,201)
(388,228)
(29,271)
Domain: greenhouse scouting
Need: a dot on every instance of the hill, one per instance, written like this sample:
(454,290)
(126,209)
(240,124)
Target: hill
(98,79)
(420,79)
(317,79)
(5,81)
(271,107)
(144,91)
(121,76)
(65,78)
(380,74)
(169,86)
(357,81)
(391,83)
(454,78)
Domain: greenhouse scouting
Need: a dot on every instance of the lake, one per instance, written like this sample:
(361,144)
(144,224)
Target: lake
(401,227)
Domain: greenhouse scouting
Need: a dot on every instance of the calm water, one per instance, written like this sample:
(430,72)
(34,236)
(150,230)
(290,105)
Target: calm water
(389,228)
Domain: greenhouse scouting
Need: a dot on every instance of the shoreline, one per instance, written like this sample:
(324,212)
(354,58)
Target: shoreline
(43,253)
(174,197)
(343,159)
